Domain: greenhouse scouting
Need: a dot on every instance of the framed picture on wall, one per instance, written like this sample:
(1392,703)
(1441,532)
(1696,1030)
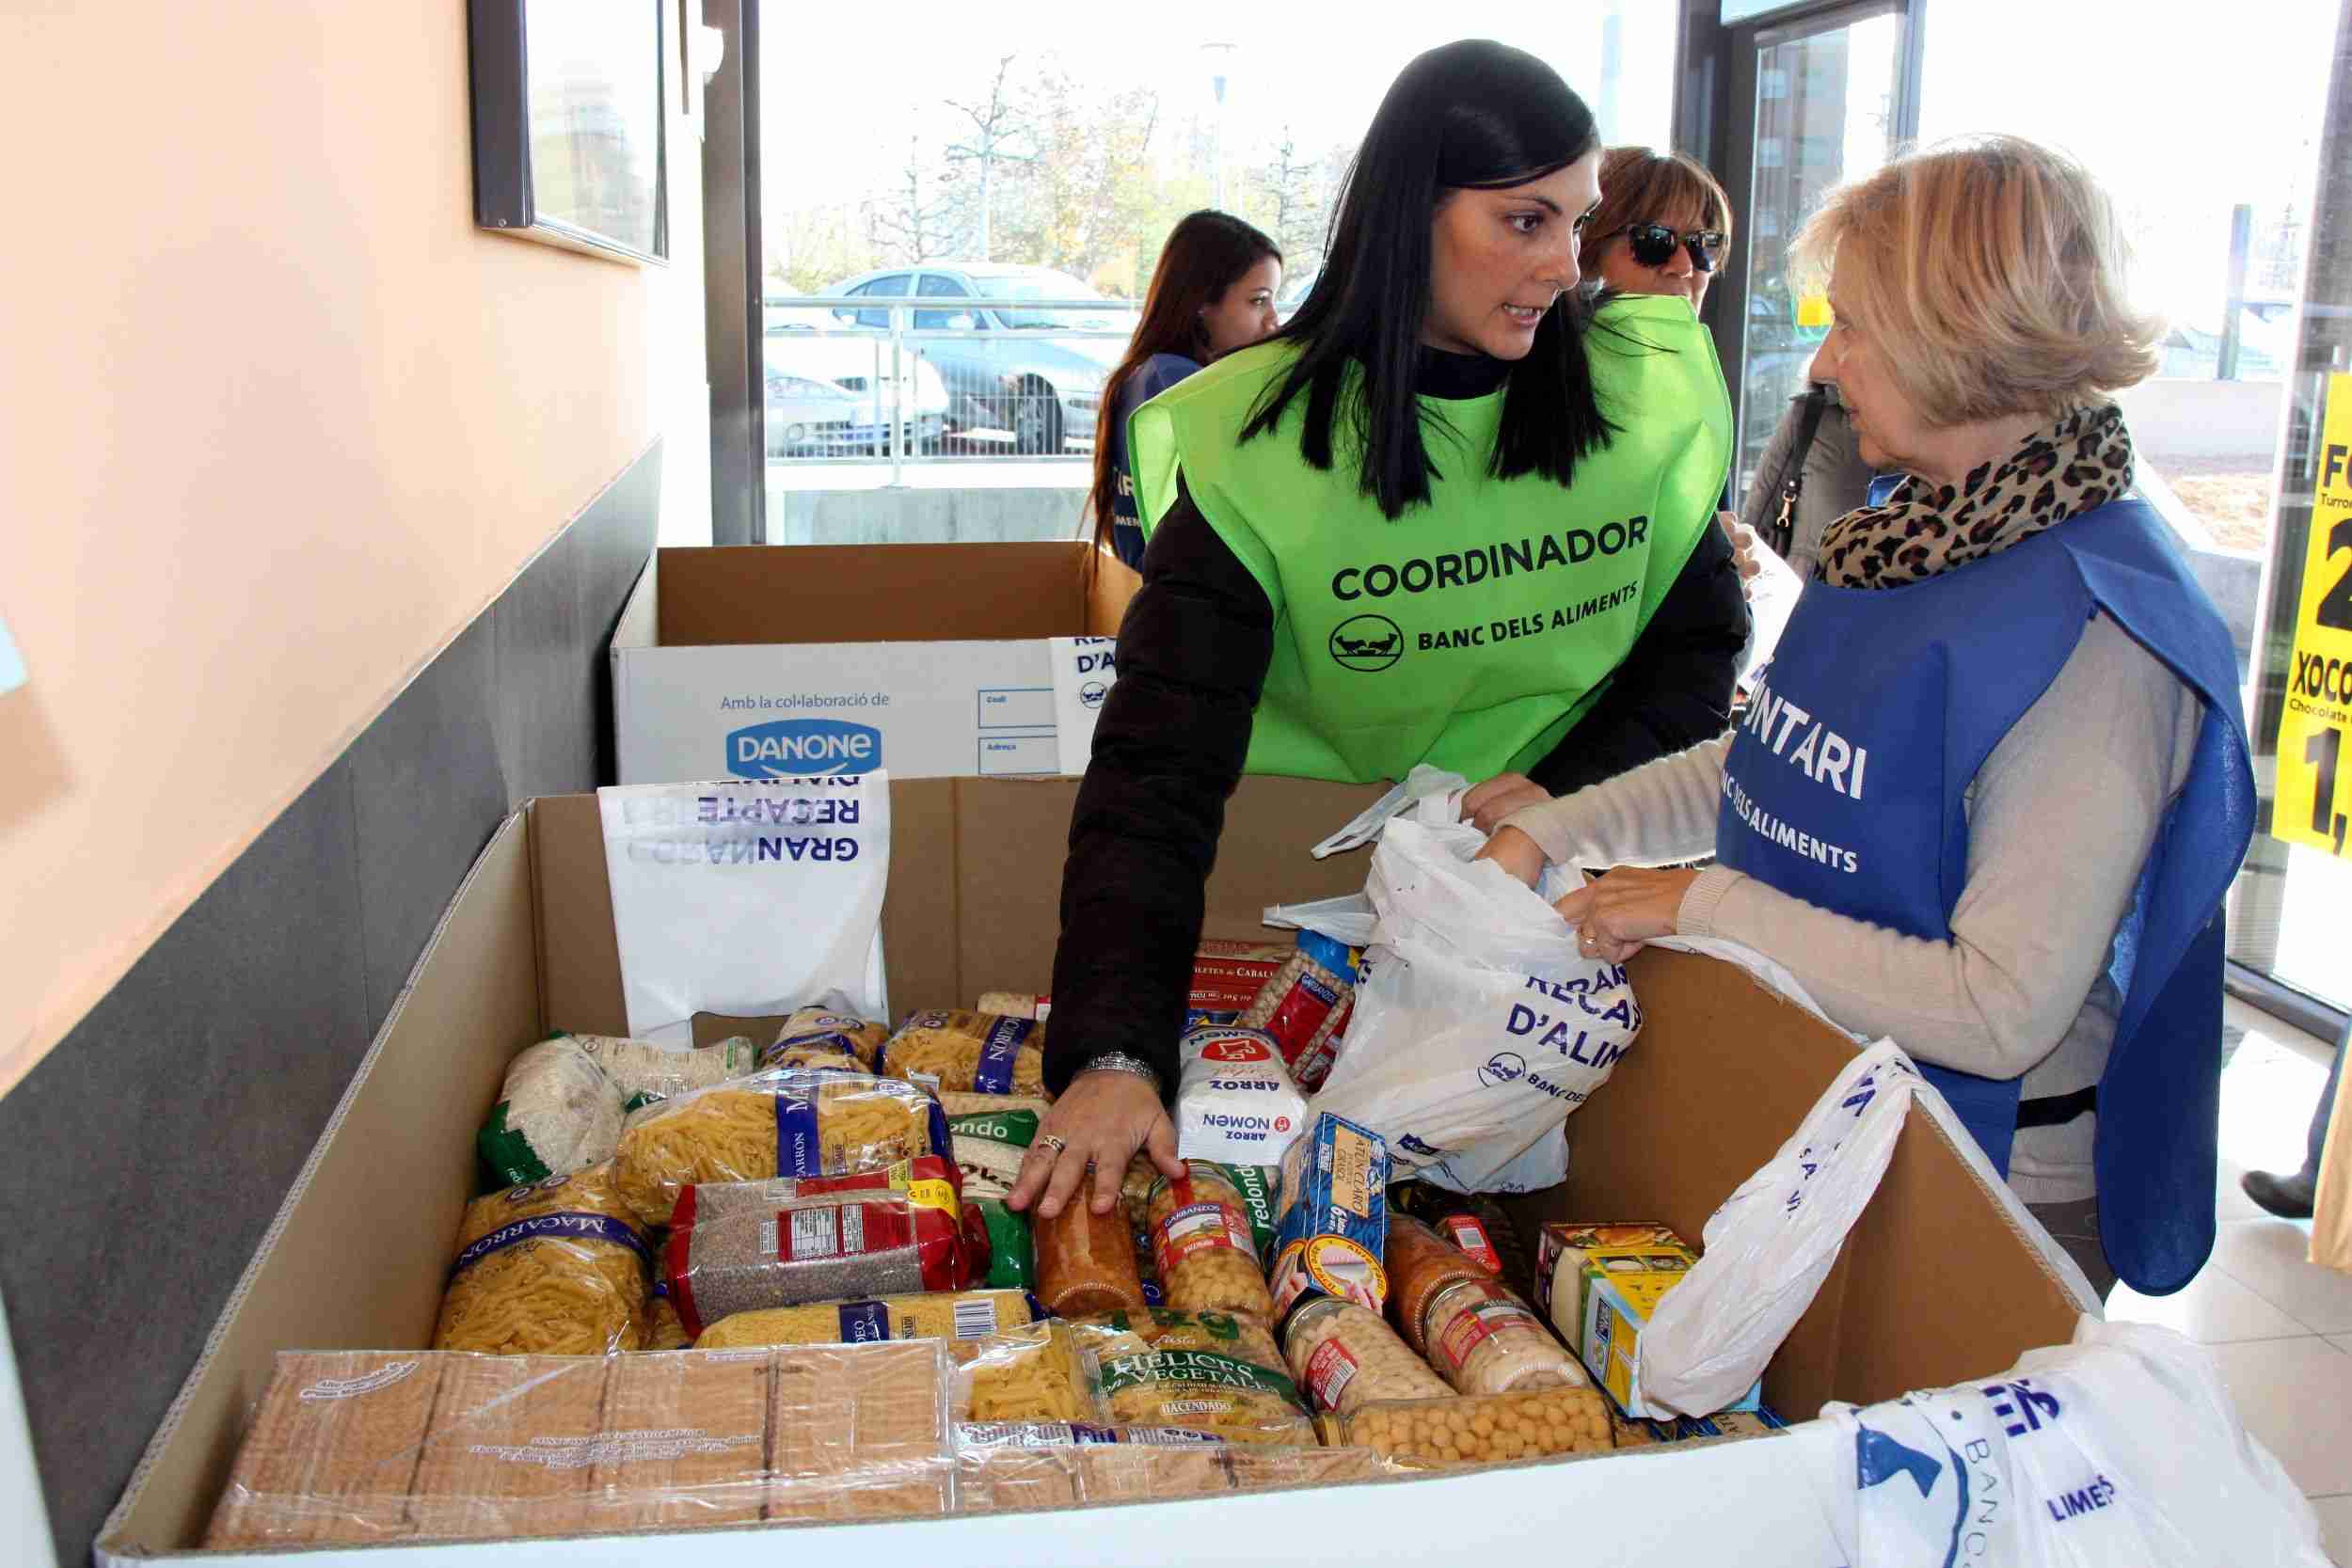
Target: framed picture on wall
(568,145)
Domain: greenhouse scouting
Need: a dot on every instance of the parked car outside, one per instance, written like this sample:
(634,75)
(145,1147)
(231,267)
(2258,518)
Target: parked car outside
(1002,368)
(860,370)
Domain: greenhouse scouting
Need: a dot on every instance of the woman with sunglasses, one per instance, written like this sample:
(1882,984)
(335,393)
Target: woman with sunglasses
(1995,785)
(1661,228)
(1449,514)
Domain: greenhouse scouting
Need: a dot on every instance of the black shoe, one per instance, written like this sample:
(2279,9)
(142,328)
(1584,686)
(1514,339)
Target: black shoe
(2287,1197)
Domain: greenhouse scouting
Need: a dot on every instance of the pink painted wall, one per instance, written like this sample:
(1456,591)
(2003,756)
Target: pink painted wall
(277,421)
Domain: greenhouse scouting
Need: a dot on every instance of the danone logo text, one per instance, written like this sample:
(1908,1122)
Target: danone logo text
(791,748)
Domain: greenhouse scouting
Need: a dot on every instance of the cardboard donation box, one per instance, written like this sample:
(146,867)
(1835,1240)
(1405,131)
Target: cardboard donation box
(930,660)
(1937,1284)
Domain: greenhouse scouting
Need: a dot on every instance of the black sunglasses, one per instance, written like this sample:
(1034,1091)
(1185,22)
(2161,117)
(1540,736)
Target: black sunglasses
(1654,243)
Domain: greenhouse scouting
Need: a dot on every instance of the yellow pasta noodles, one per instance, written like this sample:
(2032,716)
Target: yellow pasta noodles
(558,1268)
(789,1122)
(1036,1373)
(953,1050)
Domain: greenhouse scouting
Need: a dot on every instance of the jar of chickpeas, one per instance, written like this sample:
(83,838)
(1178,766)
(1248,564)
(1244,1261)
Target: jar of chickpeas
(1344,1355)
(1491,1429)
(1200,1238)
(1485,1340)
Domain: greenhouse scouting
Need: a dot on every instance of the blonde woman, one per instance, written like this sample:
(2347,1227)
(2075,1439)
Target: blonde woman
(1995,784)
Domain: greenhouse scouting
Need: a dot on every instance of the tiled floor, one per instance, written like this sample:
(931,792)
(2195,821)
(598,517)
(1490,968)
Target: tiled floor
(2281,1328)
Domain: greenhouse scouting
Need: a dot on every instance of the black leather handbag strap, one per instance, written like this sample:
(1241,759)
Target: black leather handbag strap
(1780,531)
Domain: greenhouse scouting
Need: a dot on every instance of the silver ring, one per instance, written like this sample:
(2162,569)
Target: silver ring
(1059,1144)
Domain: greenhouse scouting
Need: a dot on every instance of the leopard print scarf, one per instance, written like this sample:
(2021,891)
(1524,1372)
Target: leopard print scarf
(2085,460)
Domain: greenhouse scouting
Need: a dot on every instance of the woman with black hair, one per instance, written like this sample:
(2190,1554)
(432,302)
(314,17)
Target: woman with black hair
(1212,293)
(1442,516)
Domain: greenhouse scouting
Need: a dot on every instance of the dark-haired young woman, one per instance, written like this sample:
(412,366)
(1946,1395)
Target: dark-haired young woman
(1212,294)
(1442,517)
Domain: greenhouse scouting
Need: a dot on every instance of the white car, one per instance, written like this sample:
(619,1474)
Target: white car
(800,421)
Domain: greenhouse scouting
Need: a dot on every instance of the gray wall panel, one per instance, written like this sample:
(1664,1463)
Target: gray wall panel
(151,1148)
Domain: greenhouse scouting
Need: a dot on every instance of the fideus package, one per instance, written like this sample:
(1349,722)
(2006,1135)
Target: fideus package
(1236,1102)
(747,896)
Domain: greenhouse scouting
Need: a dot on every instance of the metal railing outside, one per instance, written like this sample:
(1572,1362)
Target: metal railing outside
(967,384)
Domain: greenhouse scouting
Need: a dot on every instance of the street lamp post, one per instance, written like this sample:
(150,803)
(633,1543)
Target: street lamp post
(1219,56)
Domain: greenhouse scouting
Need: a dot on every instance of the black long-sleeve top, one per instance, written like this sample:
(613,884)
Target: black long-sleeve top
(1174,731)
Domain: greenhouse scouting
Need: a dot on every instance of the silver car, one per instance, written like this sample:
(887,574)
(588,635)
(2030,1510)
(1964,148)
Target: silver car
(1003,368)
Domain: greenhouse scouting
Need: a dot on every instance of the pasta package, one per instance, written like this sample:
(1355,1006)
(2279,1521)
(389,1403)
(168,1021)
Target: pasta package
(1201,1241)
(645,1073)
(1239,1401)
(1335,1217)
(1345,1355)
(1038,1373)
(967,1052)
(785,1121)
(731,1253)
(1238,1335)
(1490,1429)
(821,1034)
(662,1329)
(331,1452)
(1485,1340)
(557,1267)
(1085,1262)
(961,1315)
(557,1113)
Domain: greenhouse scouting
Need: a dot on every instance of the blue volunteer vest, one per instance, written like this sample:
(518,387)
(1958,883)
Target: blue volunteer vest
(1845,786)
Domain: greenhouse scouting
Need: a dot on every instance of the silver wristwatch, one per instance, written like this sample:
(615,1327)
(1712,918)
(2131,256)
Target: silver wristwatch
(1118,1061)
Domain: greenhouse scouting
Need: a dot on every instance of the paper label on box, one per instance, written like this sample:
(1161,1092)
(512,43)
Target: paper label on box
(1084,669)
(746,896)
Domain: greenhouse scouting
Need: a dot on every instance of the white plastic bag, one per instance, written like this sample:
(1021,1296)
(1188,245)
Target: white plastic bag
(2120,1451)
(1771,1242)
(1429,796)
(747,896)
(1479,1026)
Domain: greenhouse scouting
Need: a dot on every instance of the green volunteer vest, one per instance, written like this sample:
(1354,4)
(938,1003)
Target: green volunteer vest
(1473,632)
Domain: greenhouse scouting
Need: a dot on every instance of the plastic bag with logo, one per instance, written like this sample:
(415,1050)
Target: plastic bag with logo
(1478,1026)
(1771,1242)
(2120,1451)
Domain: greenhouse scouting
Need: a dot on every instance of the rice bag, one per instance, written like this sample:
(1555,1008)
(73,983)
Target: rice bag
(557,1113)
(645,1073)
(1236,1102)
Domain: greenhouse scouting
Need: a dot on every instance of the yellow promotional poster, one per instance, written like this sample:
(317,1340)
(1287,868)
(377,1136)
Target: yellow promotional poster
(2313,801)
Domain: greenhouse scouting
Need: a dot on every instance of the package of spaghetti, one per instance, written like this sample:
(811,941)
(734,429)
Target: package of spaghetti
(1335,1217)
(821,1035)
(962,1315)
(967,1052)
(1491,1429)
(1002,1465)
(645,1073)
(1305,1006)
(1039,1373)
(1237,1336)
(1201,1236)
(861,1432)
(557,1113)
(733,1251)
(990,1146)
(330,1452)
(683,1442)
(556,1268)
(511,1447)
(784,1121)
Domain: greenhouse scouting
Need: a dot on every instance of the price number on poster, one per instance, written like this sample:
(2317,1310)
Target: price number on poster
(2315,799)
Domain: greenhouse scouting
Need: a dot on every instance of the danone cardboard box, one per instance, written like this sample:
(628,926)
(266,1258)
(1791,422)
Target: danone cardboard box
(1939,1282)
(930,660)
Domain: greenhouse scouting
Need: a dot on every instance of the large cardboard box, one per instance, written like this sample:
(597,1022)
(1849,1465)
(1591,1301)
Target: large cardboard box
(1940,1282)
(931,660)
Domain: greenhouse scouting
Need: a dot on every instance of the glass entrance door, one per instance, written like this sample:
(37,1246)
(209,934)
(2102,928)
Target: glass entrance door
(1826,112)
